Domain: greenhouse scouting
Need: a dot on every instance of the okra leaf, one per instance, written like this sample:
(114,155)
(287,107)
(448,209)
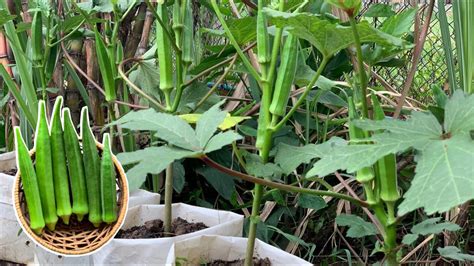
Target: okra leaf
(256,167)
(178,176)
(431,226)
(399,24)
(444,155)
(170,128)
(443,177)
(289,157)
(409,239)
(208,123)
(326,36)
(220,140)
(221,182)
(427,227)
(454,253)
(147,77)
(229,121)
(311,202)
(379,10)
(357,226)
(151,160)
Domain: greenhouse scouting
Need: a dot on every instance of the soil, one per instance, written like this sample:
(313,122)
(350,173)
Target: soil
(256,262)
(9,263)
(9,172)
(154,229)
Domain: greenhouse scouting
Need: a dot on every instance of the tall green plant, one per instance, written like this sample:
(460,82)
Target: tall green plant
(463,11)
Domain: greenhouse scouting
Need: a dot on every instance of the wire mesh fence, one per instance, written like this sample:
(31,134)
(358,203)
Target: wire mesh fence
(432,69)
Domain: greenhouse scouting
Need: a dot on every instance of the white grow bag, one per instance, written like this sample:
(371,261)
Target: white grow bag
(42,257)
(155,251)
(13,247)
(207,248)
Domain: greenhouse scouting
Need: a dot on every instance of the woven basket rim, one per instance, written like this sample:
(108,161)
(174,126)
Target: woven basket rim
(105,238)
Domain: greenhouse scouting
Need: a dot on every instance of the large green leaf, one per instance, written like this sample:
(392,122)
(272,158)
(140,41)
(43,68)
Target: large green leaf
(220,140)
(172,129)
(443,176)
(444,157)
(208,123)
(151,160)
(326,36)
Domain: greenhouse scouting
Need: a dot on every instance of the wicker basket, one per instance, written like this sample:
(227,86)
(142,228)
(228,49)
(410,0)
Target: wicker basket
(77,238)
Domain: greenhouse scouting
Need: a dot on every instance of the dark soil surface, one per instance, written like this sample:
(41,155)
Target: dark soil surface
(256,262)
(154,229)
(9,263)
(9,172)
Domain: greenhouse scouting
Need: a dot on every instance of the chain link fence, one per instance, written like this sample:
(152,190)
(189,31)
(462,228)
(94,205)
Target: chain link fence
(432,69)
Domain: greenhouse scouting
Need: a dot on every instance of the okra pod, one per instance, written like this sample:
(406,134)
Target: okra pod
(108,190)
(37,37)
(365,174)
(30,183)
(105,67)
(44,168)
(164,51)
(76,168)
(263,40)
(188,33)
(286,75)
(386,166)
(61,182)
(91,163)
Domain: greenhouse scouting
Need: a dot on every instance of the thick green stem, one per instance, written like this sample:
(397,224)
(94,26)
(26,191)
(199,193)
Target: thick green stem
(280,186)
(168,198)
(390,245)
(254,219)
(361,69)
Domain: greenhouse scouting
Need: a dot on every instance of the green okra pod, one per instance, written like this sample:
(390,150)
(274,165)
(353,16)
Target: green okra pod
(263,40)
(44,168)
(188,33)
(91,163)
(164,52)
(285,77)
(60,176)
(37,37)
(106,67)
(108,191)
(386,166)
(365,174)
(77,180)
(30,183)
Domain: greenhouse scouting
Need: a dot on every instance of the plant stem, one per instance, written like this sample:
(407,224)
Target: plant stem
(168,198)
(280,186)
(360,68)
